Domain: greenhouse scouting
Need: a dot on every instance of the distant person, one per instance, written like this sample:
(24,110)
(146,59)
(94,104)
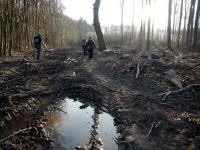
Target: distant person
(84,47)
(38,42)
(90,47)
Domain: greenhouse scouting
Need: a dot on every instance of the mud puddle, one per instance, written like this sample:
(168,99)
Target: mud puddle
(81,126)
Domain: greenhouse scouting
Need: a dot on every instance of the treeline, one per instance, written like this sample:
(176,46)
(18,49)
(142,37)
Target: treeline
(20,20)
(182,29)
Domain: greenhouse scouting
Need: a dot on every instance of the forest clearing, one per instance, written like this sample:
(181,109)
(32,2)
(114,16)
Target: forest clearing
(68,84)
(145,114)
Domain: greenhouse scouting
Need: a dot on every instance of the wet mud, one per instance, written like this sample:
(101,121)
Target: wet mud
(144,116)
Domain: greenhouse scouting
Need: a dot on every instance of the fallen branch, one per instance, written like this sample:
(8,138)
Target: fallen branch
(59,109)
(166,94)
(142,67)
(123,142)
(193,67)
(37,92)
(138,70)
(153,124)
(13,71)
(14,134)
(167,105)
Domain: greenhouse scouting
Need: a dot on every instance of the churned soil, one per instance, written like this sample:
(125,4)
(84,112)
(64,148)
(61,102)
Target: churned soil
(153,96)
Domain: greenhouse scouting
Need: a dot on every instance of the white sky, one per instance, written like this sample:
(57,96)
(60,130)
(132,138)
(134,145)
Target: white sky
(110,11)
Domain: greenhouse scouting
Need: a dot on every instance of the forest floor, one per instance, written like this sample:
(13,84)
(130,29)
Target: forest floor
(153,96)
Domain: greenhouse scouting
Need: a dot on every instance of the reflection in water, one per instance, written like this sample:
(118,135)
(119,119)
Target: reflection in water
(81,127)
(95,141)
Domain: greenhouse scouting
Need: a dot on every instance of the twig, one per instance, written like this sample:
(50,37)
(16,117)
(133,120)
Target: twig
(153,124)
(59,109)
(138,70)
(123,142)
(166,94)
(35,92)
(13,71)
(14,134)
(191,68)
(145,63)
(167,105)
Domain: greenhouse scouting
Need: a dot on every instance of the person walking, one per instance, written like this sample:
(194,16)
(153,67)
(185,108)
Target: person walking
(84,47)
(38,42)
(90,47)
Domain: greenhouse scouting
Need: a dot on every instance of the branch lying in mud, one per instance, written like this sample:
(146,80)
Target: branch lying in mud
(149,133)
(194,67)
(59,109)
(154,125)
(14,134)
(13,71)
(166,94)
(37,92)
(123,142)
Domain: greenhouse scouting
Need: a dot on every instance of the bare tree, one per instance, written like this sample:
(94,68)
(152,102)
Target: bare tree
(102,45)
(133,23)
(174,20)
(190,23)
(122,21)
(195,33)
(148,2)
(185,22)
(179,26)
(20,20)
(169,25)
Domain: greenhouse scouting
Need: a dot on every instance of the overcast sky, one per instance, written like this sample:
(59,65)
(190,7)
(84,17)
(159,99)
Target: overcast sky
(110,11)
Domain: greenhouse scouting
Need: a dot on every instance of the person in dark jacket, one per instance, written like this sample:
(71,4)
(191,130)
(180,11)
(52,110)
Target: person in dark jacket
(84,47)
(90,47)
(38,42)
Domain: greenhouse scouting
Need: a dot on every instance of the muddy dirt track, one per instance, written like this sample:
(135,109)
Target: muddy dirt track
(147,116)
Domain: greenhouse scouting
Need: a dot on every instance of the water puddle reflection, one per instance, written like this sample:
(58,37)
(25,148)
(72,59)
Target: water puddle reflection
(81,127)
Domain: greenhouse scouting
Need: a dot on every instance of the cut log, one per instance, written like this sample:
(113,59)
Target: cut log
(175,81)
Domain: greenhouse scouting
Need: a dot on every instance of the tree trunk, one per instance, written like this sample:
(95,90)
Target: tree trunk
(169,25)
(133,35)
(102,45)
(190,23)
(141,36)
(179,26)
(122,22)
(174,21)
(195,33)
(185,22)
(148,34)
